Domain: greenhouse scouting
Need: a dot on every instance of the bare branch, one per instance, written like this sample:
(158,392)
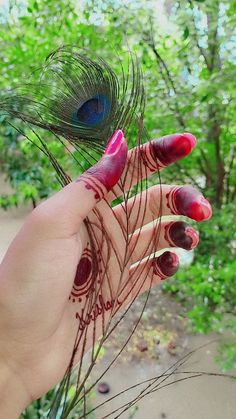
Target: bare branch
(203,169)
(170,84)
(186,173)
(195,34)
(229,171)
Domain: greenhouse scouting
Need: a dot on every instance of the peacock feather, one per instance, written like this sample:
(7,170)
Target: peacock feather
(79,100)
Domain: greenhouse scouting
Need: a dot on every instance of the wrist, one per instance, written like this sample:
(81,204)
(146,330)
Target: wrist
(13,394)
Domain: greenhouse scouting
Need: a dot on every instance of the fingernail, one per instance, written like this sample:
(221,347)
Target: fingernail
(192,203)
(193,235)
(173,147)
(114,143)
(167,263)
(182,235)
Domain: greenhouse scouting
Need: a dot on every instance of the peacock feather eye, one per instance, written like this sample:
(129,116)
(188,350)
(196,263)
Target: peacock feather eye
(78,96)
(93,112)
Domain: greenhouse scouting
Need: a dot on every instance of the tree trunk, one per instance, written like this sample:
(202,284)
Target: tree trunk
(213,135)
(214,131)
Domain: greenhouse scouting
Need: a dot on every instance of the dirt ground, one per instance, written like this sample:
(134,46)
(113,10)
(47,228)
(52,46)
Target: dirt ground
(153,350)
(160,341)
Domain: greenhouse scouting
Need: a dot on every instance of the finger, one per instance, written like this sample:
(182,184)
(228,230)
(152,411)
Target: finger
(146,159)
(163,200)
(154,238)
(65,211)
(147,274)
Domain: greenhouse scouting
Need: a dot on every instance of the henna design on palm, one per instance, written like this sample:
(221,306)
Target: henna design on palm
(84,278)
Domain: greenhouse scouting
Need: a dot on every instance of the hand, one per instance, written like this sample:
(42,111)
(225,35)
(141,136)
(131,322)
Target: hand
(51,284)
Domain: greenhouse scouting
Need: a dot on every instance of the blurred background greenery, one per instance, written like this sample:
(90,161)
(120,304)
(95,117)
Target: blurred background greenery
(188,56)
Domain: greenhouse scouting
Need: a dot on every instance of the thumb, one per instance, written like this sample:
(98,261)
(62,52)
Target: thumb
(66,210)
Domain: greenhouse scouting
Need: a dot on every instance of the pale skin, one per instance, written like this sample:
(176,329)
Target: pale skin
(40,308)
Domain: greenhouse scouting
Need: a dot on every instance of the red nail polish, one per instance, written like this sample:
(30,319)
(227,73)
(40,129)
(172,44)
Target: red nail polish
(115,142)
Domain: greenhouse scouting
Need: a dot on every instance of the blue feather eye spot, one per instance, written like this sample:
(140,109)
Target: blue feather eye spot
(94,111)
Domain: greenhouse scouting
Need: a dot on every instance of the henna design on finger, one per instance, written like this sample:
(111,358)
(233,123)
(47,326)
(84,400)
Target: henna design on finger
(171,198)
(165,265)
(166,150)
(180,234)
(173,147)
(101,177)
(186,200)
(149,159)
(92,183)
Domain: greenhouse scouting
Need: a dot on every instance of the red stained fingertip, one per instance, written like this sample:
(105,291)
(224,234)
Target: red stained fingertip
(183,144)
(181,235)
(199,211)
(110,167)
(171,148)
(190,202)
(167,264)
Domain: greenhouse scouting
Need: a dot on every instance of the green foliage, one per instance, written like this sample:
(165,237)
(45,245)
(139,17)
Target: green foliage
(184,93)
(227,356)
(133,412)
(208,287)
(27,170)
(40,408)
